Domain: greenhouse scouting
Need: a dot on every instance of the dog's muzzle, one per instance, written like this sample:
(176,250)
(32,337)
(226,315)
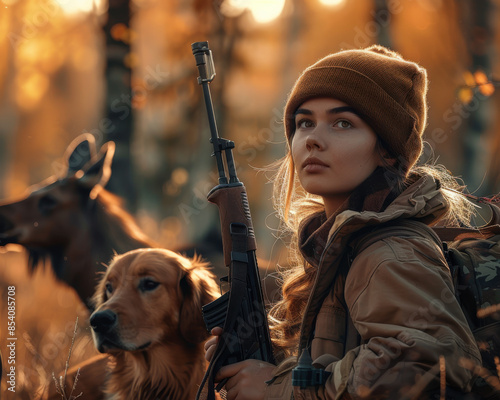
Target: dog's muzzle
(103,321)
(106,337)
(104,324)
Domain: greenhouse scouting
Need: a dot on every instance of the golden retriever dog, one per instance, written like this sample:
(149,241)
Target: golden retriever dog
(148,319)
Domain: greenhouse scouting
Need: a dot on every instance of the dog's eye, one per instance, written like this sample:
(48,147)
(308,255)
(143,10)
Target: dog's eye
(148,284)
(109,288)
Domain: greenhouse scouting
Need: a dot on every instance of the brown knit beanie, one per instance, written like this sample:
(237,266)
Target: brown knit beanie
(388,92)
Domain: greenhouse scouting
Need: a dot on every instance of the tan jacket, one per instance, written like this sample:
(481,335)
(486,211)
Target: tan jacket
(399,295)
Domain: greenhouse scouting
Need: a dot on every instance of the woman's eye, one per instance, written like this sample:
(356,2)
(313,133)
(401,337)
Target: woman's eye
(148,284)
(304,123)
(344,124)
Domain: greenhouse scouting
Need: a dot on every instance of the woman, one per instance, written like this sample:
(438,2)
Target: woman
(382,324)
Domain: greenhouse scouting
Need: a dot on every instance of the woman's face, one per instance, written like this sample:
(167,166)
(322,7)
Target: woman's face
(333,150)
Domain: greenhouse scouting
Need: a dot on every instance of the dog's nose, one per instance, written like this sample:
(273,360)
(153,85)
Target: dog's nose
(103,321)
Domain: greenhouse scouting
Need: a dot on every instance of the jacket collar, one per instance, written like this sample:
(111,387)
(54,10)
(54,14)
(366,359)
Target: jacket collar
(372,204)
(374,194)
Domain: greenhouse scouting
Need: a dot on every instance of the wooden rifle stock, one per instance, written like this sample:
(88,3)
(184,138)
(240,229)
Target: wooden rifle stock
(240,311)
(232,202)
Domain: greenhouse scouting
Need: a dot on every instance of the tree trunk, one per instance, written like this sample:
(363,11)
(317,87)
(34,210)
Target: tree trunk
(382,18)
(479,38)
(118,124)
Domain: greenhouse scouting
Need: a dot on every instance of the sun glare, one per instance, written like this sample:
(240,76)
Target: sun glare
(332,2)
(262,10)
(265,11)
(79,6)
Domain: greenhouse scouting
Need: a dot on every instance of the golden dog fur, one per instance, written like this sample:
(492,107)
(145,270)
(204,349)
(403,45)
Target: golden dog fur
(148,320)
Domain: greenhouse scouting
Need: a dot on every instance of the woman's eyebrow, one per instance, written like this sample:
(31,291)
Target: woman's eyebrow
(336,110)
(303,111)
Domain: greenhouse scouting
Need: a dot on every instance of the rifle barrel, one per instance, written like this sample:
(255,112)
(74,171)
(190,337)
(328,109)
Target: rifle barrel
(201,51)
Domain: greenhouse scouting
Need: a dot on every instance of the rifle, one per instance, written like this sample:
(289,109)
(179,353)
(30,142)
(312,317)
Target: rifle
(240,311)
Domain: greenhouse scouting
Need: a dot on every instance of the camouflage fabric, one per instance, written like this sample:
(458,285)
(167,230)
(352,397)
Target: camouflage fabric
(475,265)
(476,268)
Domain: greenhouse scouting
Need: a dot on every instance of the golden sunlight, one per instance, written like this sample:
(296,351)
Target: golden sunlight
(332,2)
(79,6)
(262,10)
(31,86)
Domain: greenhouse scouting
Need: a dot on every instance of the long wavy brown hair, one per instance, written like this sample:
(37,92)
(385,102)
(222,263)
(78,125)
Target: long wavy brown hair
(293,204)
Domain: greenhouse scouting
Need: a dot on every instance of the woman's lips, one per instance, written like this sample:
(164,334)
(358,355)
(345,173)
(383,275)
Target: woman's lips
(313,164)
(314,168)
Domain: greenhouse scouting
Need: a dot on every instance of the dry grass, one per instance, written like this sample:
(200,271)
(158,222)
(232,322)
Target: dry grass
(45,325)
(60,383)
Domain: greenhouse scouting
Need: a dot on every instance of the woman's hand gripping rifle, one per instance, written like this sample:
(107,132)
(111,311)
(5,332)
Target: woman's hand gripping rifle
(240,311)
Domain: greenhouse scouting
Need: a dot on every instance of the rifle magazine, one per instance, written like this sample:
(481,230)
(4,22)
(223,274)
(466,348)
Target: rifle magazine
(214,313)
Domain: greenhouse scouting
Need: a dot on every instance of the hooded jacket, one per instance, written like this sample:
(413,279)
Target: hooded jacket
(388,323)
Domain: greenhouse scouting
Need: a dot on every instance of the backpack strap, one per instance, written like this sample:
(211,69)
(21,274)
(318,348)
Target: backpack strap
(452,234)
(492,228)
(398,227)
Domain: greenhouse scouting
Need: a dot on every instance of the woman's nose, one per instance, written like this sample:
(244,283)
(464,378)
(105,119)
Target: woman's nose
(313,141)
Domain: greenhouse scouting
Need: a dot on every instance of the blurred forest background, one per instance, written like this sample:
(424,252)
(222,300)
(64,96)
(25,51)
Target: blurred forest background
(124,71)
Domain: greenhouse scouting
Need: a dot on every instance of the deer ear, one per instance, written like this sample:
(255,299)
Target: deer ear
(80,151)
(96,172)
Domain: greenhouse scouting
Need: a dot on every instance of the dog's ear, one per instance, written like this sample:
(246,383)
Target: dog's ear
(197,287)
